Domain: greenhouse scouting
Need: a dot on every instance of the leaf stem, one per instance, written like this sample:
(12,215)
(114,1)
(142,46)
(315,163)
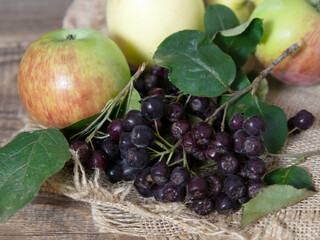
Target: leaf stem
(258,79)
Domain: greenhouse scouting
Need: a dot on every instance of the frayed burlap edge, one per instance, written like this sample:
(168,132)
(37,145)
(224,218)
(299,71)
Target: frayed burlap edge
(117,208)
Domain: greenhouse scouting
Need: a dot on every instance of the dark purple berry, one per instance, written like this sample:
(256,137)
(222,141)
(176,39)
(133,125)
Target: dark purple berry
(303,120)
(142,136)
(144,183)
(199,104)
(160,173)
(225,205)
(203,206)
(222,142)
(236,122)
(150,82)
(157,92)
(158,193)
(228,164)
(180,128)
(98,160)
(197,187)
(180,176)
(82,149)
(255,168)
(158,71)
(234,187)
(239,137)
(137,157)
(254,126)
(133,118)
(115,129)
(125,143)
(173,193)
(188,143)
(214,185)
(152,107)
(199,152)
(202,133)
(254,146)
(115,174)
(291,126)
(213,154)
(128,173)
(110,148)
(254,187)
(174,111)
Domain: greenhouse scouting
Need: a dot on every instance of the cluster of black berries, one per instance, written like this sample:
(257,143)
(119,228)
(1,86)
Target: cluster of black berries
(160,148)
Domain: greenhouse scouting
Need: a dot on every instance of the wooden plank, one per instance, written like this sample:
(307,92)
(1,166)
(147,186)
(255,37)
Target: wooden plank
(48,216)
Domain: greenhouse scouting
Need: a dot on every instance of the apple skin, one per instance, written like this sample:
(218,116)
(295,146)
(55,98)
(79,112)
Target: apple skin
(241,8)
(286,22)
(62,81)
(139,26)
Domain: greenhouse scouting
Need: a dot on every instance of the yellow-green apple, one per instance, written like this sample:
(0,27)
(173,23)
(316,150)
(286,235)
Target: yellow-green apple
(68,75)
(286,22)
(242,8)
(139,26)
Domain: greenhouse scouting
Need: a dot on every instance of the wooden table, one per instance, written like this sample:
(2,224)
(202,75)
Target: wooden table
(48,216)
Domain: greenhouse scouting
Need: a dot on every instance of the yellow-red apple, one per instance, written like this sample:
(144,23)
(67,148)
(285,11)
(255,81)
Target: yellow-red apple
(139,26)
(68,75)
(286,22)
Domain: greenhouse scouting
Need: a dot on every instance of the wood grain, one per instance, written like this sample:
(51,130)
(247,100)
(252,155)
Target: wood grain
(48,216)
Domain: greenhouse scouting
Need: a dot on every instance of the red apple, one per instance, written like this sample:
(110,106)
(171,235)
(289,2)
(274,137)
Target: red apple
(68,75)
(286,22)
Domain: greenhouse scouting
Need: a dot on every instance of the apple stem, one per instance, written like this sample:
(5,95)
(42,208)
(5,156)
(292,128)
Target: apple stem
(70,37)
(258,79)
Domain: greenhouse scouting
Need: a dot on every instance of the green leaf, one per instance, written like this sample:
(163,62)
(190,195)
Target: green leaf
(197,66)
(240,41)
(294,176)
(78,126)
(219,17)
(270,199)
(244,102)
(132,102)
(276,124)
(26,162)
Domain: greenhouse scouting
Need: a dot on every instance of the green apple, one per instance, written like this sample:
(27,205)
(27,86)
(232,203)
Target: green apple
(242,8)
(68,75)
(139,26)
(286,22)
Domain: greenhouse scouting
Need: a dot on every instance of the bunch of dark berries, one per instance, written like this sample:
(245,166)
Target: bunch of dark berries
(161,147)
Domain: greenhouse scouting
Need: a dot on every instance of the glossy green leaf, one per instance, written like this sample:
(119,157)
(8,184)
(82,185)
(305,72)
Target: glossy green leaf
(132,102)
(26,162)
(244,102)
(197,66)
(263,87)
(78,126)
(276,124)
(270,199)
(294,176)
(240,41)
(219,17)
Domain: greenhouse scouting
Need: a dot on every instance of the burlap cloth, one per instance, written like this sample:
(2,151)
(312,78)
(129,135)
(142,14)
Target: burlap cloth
(117,208)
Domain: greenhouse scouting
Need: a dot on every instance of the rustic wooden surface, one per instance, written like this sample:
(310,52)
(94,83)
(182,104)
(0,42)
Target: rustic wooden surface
(48,216)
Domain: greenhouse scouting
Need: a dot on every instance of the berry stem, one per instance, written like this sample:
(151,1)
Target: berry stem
(258,79)
(292,130)
(224,117)
(107,110)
